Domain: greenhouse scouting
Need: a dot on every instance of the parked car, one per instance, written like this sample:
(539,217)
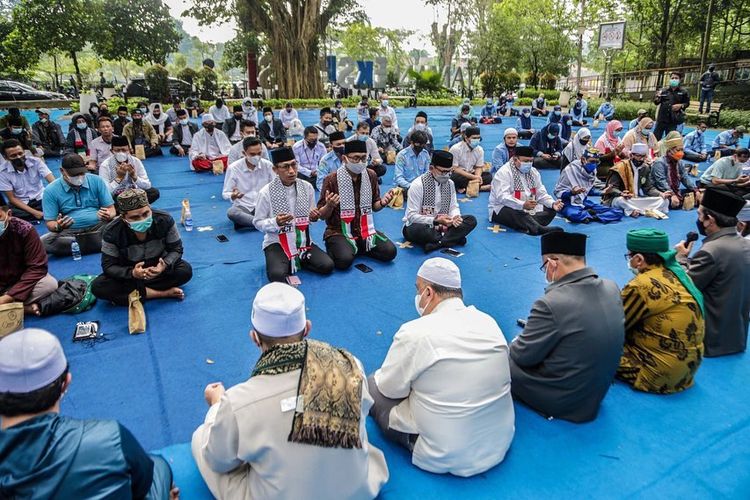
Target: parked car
(16,91)
(137,87)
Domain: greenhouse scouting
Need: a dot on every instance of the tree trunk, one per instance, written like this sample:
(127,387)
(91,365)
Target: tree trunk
(78,70)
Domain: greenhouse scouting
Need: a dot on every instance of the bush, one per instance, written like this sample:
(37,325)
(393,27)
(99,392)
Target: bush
(548,82)
(428,80)
(157,81)
(207,83)
(533,92)
(188,74)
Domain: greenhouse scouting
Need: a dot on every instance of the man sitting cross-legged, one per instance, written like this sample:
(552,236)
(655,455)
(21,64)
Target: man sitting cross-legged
(141,250)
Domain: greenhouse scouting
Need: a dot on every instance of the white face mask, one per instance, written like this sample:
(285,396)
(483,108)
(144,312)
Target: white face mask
(121,157)
(633,269)
(76,181)
(419,126)
(552,280)
(356,168)
(387,130)
(417,300)
(268,118)
(254,159)
(184,121)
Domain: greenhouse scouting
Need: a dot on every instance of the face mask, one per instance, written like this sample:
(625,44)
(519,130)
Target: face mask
(137,121)
(465,115)
(569,123)
(558,113)
(339,150)
(76,181)
(698,132)
(551,280)
(645,132)
(18,163)
(475,142)
(551,136)
(636,163)
(417,300)
(584,141)
(311,144)
(385,103)
(121,157)
(417,149)
(81,126)
(633,269)
(16,130)
(288,110)
(387,130)
(526,114)
(590,167)
(184,121)
(363,137)
(525,167)
(674,82)
(254,159)
(209,127)
(701,229)
(43,120)
(442,178)
(419,126)
(678,155)
(356,168)
(141,226)
(94,109)
(3,226)
(219,104)
(268,118)
(144,110)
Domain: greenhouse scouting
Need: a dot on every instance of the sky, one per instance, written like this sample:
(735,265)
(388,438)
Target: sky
(391,14)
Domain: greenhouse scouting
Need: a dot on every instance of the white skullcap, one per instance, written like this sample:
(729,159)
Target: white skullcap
(510,130)
(207,117)
(584,132)
(639,149)
(744,215)
(440,271)
(29,360)
(278,311)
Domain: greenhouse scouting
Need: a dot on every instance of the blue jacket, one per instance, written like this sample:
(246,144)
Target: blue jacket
(540,143)
(409,166)
(607,109)
(500,156)
(694,143)
(56,457)
(489,111)
(328,164)
(579,110)
(725,139)
(523,123)
(659,175)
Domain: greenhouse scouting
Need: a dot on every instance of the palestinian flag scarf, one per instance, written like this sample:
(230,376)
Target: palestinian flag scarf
(348,209)
(294,237)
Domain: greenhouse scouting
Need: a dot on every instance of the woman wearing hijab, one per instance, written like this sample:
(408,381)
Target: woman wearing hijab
(643,133)
(662,144)
(566,127)
(576,146)
(556,115)
(610,147)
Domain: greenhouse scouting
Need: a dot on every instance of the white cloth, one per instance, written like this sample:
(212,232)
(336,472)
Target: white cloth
(466,158)
(246,181)
(641,204)
(213,146)
(452,366)
(414,203)
(108,173)
(574,149)
(389,111)
(286,118)
(237,135)
(373,155)
(236,152)
(502,192)
(264,219)
(187,136)
(220,115)
(27,185)
(242,450)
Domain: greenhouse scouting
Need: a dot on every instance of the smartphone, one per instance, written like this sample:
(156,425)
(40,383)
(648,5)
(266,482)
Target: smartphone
(452,252)
(363,268)
(222,238)
(293,280)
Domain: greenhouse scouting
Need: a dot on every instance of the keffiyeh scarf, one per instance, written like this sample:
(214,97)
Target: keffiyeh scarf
(294,237)
(348,209)
(329,394)
(518,188)
(428,196)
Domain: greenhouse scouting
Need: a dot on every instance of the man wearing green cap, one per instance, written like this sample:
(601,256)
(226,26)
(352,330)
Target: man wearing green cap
(663,318)
(721,270)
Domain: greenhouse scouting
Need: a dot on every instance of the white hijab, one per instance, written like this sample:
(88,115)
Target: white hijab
(575,149)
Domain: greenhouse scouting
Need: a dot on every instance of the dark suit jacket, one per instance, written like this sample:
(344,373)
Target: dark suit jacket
(177,132)
(230,126)
(264,131)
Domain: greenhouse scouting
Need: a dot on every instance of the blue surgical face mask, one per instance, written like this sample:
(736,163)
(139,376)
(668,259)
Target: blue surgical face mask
(558,113)
(590,167)
(475,142)
(551,136)
(4,226)
(81,126)
(525,167)
(674,82)
(569,123)
(16,130)
(141,226)
(363,137)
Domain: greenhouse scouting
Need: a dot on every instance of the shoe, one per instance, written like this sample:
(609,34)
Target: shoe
(431,247)
(461,242)
(550,229)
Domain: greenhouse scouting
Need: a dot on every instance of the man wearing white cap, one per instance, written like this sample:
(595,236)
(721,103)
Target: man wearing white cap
(629,187)
(443,391)
(46,455)
(504,150)
(284,433)
(209,144)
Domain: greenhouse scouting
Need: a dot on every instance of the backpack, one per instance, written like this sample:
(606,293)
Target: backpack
(73,296)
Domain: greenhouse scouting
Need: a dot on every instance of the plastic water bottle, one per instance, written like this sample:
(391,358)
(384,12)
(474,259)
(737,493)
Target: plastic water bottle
(188,221)
(75,249)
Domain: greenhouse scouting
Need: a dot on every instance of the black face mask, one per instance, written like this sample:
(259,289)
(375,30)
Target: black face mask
(326,122)
(418,149)
(18,163)
(210,127)
(583,142)
(311,144)
(219,104)
(636,163)
(339,150)
(701,229)
(137,121)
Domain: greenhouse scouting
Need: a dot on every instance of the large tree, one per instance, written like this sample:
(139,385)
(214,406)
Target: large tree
(292,30)
(137,30)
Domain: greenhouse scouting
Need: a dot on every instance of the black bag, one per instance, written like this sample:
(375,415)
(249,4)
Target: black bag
(70,294)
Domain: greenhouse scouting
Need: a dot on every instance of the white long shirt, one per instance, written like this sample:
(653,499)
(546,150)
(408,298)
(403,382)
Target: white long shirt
(452,367)
(108,173)
(247,181)
(264,219)
(236,152)
(503,195)
(467,158)
(414,204)
(286,118)
(213,146)
(220,115)
(389,111)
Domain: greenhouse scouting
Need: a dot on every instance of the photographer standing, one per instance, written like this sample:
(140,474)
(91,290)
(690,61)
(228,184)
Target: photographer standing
(673,101)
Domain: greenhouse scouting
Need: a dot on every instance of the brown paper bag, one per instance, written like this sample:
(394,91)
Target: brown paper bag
(487,166)
(136,313)
(398,198)
(688,202)
(185,211)
(342,126)
(140,152)
(472,190)
(194,112)
(390,157)
(11,318)
(218,167)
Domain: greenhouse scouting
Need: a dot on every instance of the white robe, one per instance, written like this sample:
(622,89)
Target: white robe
(201,142)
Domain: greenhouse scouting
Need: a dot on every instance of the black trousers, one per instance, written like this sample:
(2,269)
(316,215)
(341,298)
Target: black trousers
(343,254)
(278,267)
(462,182)
(23,214)
(380,411)
(379,170)
(663,128)
(425,234)
(541,163)
(151,152)
(694,157)
(116,290)
(525,134)
(522,221)
(185,148)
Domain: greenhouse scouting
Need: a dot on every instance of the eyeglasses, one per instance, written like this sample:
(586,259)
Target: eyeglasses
(544,265)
